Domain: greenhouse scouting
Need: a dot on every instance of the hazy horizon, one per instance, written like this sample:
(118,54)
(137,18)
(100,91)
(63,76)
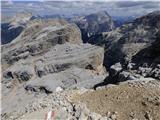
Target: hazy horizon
(72,8)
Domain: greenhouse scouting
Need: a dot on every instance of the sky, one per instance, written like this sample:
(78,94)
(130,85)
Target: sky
(83,0)
(134,8)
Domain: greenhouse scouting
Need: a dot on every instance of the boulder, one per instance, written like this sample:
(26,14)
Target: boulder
(144,71)
(155,73)
(19,72)
(118,74)
(115,69)
(124,76)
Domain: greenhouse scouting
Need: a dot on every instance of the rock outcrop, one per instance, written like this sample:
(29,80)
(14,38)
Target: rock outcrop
(117,73)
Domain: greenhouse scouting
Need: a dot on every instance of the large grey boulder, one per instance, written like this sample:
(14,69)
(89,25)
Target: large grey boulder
(125,75)
(150,72)
(115,69)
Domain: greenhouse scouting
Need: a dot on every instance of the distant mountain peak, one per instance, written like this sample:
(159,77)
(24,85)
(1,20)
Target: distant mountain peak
(94,23)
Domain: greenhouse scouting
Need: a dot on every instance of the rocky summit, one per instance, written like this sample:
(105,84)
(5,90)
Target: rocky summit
(82,67)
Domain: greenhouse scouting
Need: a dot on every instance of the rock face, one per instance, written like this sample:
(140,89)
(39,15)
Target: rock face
(146,63)
(93,24)
(148,59)
(50,54)
(126,41)
(12,28)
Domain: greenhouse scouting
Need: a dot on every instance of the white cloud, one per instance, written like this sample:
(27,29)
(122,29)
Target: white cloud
(128,8)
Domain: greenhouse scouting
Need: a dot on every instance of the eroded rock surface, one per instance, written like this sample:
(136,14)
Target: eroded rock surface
(48,56)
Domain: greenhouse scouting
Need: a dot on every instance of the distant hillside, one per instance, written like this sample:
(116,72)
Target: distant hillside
(14,26)
(93,24)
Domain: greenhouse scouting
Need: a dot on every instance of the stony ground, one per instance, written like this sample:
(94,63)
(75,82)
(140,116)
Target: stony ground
(134,100)
(131,100)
